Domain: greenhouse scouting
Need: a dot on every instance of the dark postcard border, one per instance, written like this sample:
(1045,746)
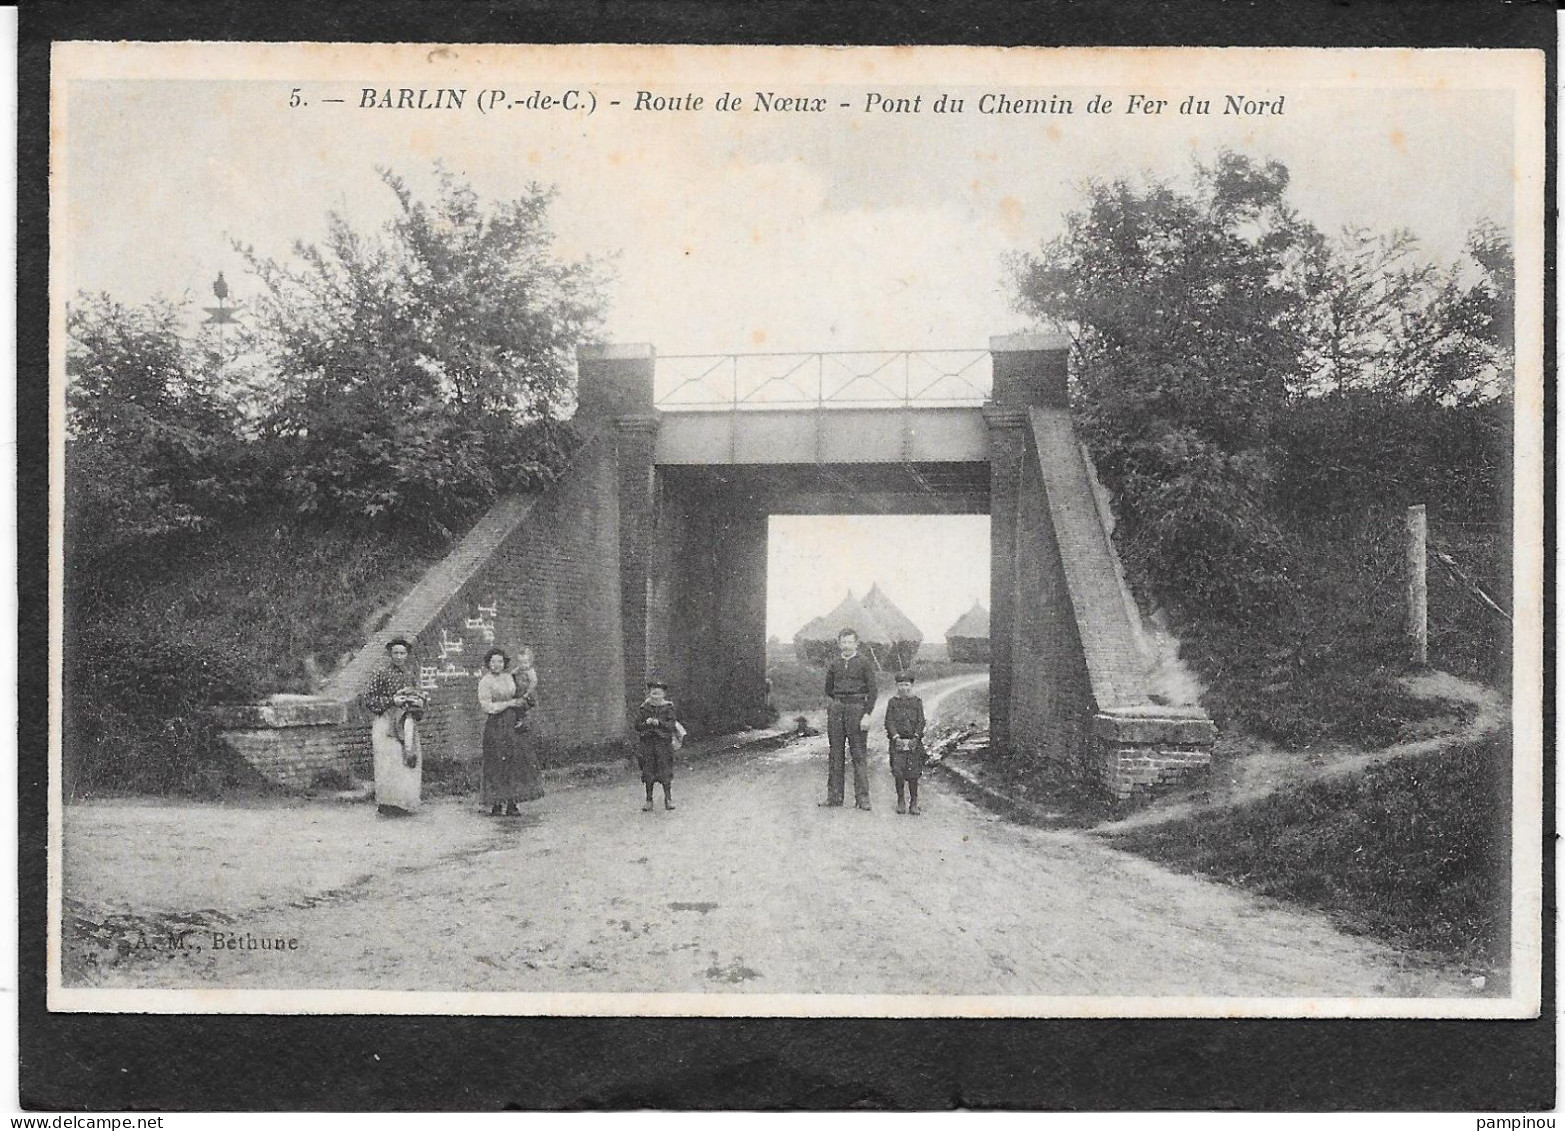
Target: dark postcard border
(130,1062)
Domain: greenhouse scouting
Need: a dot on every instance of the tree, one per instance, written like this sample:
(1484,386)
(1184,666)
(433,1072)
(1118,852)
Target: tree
(1188,321)
(1178,302)
(1367,292)
(1473,323)
(1384,321)
(151,442)
(424,370)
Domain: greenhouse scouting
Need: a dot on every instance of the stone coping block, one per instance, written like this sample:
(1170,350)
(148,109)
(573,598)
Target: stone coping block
(1028,343)
(278,714)
(616,351)
(1149,724)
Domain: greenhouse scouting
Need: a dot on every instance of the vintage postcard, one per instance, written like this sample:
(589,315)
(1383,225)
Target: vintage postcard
(722,531)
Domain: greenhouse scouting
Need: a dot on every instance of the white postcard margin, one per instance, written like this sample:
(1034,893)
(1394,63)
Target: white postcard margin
(1152,69)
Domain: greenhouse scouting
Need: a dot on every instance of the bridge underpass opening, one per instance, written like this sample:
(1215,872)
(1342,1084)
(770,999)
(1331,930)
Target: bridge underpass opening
(697,484)
(932,568)
(746,552)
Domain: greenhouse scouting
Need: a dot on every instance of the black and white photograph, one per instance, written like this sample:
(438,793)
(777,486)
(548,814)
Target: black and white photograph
(795,531)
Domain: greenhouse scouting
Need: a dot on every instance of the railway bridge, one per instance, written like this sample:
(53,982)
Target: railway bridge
(649,556)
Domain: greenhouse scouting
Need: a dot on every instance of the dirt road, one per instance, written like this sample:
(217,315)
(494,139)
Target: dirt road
(746,887)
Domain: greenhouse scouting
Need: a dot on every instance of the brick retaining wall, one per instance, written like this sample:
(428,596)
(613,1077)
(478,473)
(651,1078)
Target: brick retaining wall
(540,569)
(1137,750)
(1080,692)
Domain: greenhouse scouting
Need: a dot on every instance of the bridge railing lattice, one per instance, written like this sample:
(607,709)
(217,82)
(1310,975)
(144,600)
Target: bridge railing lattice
(823,380)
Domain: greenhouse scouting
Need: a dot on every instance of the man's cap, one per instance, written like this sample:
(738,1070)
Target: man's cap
(904,677)
(651,683)
(402,640)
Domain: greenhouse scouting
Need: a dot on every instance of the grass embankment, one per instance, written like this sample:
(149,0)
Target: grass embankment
(1326,671)
(1413,850)
(964,709)
(176,623)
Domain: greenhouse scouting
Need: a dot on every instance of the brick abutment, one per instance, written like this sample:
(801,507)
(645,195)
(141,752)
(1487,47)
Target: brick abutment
(643,560)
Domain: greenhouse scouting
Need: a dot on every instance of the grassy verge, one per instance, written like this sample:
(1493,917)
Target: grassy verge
(962,709)
(1414,851)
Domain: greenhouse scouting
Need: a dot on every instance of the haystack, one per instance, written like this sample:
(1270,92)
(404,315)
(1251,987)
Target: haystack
(816,642)
(905,636)
(968,639)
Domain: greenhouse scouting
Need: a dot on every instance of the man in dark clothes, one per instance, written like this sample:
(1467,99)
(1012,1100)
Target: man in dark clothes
(850,696)
(905,738)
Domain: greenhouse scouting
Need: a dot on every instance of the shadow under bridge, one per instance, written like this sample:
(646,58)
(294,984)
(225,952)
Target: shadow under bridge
(707,449)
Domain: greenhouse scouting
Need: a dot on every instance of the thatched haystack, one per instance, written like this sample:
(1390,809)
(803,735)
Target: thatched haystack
(968,639)
(905,636)
(816,642)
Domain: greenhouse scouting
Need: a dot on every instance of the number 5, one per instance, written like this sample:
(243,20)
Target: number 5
(294,99)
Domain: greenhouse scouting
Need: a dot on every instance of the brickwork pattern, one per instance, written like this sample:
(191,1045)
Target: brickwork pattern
(635,440)
(1006,451)
(540,569)
(1135,771)
(1052,702)
(707,607)
(1115,656)
(297,757)
(665,568)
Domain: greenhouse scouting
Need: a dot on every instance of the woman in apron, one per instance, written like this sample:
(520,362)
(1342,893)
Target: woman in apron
(394,699)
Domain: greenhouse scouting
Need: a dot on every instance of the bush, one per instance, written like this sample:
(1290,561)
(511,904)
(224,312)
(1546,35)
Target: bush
(1196,528)
(1340,450)
(163,628)
(133,709)
(1326,667)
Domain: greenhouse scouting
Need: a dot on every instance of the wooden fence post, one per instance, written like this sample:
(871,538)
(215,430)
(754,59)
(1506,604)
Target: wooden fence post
(1418,585)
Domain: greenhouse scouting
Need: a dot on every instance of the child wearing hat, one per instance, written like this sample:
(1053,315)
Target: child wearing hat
(905,737)
(661,732)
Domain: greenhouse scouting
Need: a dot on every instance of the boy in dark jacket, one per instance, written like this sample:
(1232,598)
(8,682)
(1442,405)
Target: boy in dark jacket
(660,730)
(905,737)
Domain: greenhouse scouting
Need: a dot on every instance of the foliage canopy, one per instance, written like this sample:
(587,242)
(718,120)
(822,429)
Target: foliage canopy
(1240,376)
(385,388)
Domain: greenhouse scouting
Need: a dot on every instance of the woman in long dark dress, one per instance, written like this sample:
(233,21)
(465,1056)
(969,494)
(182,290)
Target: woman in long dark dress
(510,767)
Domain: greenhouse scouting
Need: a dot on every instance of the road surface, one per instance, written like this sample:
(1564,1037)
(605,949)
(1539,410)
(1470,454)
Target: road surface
(746,887)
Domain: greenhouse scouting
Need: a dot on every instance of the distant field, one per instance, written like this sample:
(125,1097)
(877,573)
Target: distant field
(929,652)
(798,688)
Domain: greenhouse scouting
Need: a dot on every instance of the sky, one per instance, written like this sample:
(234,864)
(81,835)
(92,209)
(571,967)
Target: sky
(933,567)
(885,233)
(743,232)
